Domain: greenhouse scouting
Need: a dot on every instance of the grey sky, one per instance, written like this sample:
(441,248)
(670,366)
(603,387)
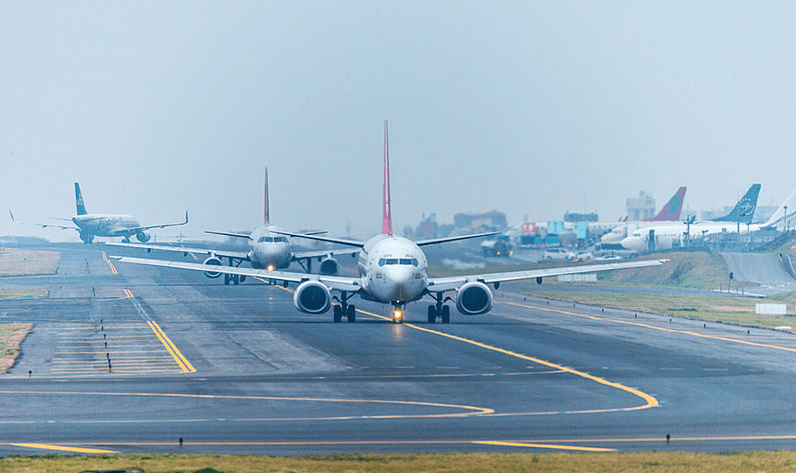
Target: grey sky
(533,108)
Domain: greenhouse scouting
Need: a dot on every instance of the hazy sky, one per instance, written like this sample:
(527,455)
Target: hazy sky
(529,107)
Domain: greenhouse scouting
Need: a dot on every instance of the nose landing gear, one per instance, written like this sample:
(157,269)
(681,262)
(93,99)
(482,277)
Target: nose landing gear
(397,315)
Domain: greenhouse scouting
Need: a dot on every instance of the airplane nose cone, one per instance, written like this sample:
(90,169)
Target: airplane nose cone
(402,283)
(633,243)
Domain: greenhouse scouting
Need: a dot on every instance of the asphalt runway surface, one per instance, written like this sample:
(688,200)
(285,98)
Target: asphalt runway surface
(237,369)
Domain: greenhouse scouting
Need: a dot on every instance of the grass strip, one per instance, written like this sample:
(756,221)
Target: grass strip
(16,262)
(659,462)
(11,336)
(709,308)
(6,293)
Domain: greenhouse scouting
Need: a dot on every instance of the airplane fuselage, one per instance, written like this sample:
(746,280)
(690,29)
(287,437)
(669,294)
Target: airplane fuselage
(669,236)
(269,250)
(394,270)
(105,225)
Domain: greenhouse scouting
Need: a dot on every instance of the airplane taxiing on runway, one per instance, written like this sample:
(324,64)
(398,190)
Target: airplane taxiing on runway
(268,249)
(104,225)
(394,270)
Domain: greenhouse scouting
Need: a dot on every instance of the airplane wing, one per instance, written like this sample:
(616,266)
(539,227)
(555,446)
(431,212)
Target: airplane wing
(43,225)
(340,283)
(453,238)
(309,236)
(241,255)
(229,234)
(454,282)
(304,255)
(164,225)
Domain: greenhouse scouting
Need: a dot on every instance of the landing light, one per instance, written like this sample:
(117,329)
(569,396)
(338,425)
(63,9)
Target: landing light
(397,315)
(270,267)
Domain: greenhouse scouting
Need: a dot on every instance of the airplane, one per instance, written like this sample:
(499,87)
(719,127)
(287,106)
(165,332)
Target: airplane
(267,250)
(667,236)
(103,225)
(669,212)
(394,270)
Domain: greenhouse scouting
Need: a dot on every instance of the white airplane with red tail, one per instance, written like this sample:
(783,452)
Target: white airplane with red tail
(394,270)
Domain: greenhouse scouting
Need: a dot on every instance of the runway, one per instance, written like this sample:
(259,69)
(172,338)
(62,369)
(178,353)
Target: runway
(237,369)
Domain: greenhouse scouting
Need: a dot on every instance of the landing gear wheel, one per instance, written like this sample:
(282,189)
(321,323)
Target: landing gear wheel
(432,314)
(338,314)
(446,314)
(351,313)
(226,279)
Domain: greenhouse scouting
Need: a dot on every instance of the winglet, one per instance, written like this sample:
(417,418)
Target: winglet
(671,211)
(12,215)
(386,221)
(266,216)
(186,217)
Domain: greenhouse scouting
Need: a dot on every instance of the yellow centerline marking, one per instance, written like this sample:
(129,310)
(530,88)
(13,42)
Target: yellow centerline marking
(171,348)
(113,268)
(654,327)
(649,400)
(45,446)
(470,410)
(542,445)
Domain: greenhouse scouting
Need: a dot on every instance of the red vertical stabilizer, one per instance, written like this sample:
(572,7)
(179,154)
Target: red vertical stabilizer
(671,211)
(266,218)
(386,222)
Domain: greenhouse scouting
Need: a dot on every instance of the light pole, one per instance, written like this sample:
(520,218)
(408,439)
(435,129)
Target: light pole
(785,223)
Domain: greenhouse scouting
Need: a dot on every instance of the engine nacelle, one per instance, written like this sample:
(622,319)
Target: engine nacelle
(329,266)
(312,297)
(213,261)
(474,298)
(143,237)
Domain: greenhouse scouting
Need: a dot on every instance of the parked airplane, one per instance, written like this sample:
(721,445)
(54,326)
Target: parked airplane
(664,237)
(669,213)
(104,225)
(267,250)
(394,270)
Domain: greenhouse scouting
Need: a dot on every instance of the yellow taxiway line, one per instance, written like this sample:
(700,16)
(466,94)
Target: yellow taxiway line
(110,265)
(655,327)
(649,400)
(171,348)
(62,448)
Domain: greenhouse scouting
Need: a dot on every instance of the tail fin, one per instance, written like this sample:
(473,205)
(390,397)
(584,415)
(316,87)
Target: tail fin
(784,214)
(386,221)
(81,208)
(266,216)
(670,211)
(745,208)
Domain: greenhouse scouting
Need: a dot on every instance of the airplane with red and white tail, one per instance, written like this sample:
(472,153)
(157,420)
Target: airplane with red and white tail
(394,270)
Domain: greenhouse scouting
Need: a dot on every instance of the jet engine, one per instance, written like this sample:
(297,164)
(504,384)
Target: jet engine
(329,266)
(474,298)
(143,237)
(312,297)
(213,261)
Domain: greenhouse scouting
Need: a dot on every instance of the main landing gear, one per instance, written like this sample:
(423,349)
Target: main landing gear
(439,309)
(233,278)
(349,310)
